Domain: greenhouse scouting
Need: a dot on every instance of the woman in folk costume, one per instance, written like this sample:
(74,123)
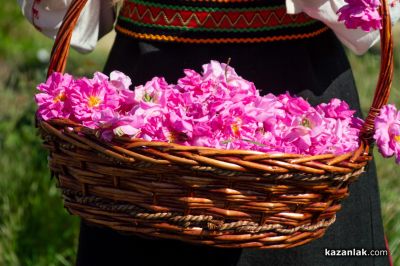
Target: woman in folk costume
(293,46)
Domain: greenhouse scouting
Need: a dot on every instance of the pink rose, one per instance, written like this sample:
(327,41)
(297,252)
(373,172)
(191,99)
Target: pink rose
(53,102)
(387,131)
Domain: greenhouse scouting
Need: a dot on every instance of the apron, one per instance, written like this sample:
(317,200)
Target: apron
(278,53)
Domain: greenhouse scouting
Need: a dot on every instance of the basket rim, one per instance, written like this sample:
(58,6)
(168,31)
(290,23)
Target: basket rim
(163,153)
(171,146)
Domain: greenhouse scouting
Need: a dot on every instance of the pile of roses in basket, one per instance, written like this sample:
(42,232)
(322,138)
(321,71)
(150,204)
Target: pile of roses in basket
(218,108)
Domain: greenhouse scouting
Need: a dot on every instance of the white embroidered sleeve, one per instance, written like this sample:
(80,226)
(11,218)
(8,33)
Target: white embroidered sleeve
(95,20)
(357,40)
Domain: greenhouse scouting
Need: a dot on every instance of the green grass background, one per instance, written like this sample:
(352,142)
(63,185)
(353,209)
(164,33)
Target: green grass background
(35,229)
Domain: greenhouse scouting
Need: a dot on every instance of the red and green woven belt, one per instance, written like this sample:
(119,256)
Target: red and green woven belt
(214,21)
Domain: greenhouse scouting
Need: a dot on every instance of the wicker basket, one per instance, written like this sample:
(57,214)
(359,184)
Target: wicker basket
(222,198)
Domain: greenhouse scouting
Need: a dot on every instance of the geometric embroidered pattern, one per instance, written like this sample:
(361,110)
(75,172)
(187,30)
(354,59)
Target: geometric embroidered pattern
(169,38)
(210,18)
(219,21)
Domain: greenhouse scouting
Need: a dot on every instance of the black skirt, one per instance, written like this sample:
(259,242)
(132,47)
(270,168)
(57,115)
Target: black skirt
(316,69)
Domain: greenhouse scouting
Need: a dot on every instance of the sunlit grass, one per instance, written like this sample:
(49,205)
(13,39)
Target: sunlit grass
(365,70)
(35,229)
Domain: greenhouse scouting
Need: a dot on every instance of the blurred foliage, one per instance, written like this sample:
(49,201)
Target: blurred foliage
(366,68)
(34,227)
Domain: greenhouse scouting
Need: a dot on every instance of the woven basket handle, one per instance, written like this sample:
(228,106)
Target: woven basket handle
(384,84)
(60,50)
(61,46)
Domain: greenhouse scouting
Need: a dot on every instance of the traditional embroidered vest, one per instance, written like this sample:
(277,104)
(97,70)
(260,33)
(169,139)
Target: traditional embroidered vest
(214,21)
